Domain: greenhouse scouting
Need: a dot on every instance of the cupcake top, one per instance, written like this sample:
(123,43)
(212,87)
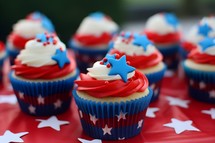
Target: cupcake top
(96,29)
(139,51)
(44,57)
(112,77)
(26,29)
(2,49)
(163,28)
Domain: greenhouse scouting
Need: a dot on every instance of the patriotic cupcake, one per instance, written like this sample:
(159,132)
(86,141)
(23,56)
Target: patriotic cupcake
(164,31)
(200,70)
(42,76)
(142,55)
(112,99)
(90,42)
(26,29)
(2,58)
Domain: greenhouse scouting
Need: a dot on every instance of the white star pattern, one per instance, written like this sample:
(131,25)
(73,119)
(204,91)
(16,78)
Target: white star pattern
(151,112)
(140,123)
(9,137)
(177,102)
(40,100)
(88,141)
(80,113)
(10,99)
(32,109)
(93,118)
(51,122)
(210,112)
(202,85)
(121,138)
(212,94)
(106,130)
(181,126)
(21,95)
(57,104)
(191,82)
(152,86)
(121,116)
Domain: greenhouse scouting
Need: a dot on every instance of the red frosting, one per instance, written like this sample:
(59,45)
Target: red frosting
(2,47)
(141,62)
(162,39)
(112,88)
(188,46)
(45,72)
(93,40)
(202,58)
(18,41)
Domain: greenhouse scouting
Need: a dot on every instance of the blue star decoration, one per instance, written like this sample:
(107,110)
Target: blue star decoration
(141,40)
(120,67)
(97,15)
(204,29)
(43,38)
(61,58)
(108,56)
(207,43)
(171,19)
(126,34)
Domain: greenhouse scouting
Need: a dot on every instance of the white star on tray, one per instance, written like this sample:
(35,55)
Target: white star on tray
(93,118)
(140,123)
(151,112)
(210,112)
(177,102)
(21,95)
(202,85)
(181,126)
(57,104)
(32,109)
(121,116)
(10,99)
(212,94)
(106,130)
(9,137)
(51,122)
(40,100)
(88,141)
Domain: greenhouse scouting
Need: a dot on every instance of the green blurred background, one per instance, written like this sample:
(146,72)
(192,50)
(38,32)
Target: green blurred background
(66,15)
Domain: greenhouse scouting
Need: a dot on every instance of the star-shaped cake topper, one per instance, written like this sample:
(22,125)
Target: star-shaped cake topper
(61,58)
(207,43)
(171,19)
(97,15)
(204,29)
(141,40)
(9,137)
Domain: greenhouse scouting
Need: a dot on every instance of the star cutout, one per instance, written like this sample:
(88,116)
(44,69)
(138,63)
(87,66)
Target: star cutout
(40,100)
(108,56)
(204,29)
(10,99)
(202,85)
(106,130)
(21,95)
(141,40)
(177,102)
(140,123)
(151,112)
(121,116)
(171,19)
(57,104)
(181,126)
(61,58)
(212,94)
(93,119)
(97,15)
(210,112)
(123,138)
(120,67)
(88,141)
(51,122)
(9,137)
(32,109)
(207,43)
(80,113)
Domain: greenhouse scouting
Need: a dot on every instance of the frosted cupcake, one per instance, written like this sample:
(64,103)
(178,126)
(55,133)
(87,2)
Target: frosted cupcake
(200,70)
(142,55)
(26,29)
(163,30)
(42,76)
(2,59)
(112,99)
(90,42)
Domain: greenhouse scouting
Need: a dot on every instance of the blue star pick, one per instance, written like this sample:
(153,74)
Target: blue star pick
(120,67)
(41,37)
(61,58)
(127,34)
(171,19)
(204,29)
(108,56)
(207,43)
(97,15)
(47,24)
(141,40)
(36,15)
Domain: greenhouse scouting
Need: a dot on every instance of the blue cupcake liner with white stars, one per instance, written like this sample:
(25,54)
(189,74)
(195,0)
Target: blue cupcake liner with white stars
(113,120)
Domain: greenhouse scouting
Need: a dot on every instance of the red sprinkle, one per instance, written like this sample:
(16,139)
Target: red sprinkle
(108,65)
(54,42)
(128,62)
(44,44)
(117,56)
(105,59)
(38,40)
(101,63)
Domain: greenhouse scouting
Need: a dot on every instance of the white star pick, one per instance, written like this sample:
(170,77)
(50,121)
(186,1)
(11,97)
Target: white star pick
(212,94)
(106,130)
(121,116)
(140,123)
(32,109)
(40,100)
(57,104)
(21,95)
(12,137)
(151,112)
(87,141)
(10,99)
(181,126)
(93,118)
(177,102)
(202,85)
(51,122)
(210,112)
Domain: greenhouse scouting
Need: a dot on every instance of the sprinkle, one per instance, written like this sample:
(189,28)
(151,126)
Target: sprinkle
(101,63)
(128,62)
(117,56)
(108,65)
(105,59)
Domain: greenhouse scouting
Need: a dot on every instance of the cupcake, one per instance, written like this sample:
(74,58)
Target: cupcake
(163,30)
(24,30)
(200,70)
(42,76)
(142,55)
(112,99)
(205,28)
(2,58)
(90,42)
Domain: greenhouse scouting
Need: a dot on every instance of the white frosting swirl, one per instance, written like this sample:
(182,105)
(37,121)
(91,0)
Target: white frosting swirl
(210,50)
(100,72)
(36,54)
(28,28)
(193,36)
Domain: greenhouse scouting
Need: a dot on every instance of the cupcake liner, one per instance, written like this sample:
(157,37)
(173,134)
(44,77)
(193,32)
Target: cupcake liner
(106,114)
(169,49)
(12,54)
(183,53)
